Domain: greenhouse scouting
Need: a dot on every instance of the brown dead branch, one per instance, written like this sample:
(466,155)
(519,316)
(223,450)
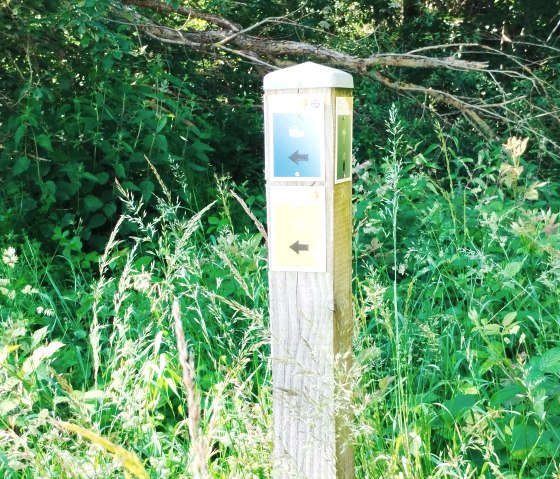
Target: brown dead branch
(183,11)
(237,39)
(442,97)
(218,34)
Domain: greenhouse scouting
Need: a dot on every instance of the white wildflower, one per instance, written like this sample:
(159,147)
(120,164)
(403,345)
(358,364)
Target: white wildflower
(44,311)
(142,281)
(28,289)
(9,256)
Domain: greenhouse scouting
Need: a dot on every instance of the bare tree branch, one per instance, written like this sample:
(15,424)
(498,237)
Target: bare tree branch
(188,12)
(442,97)
(237,38)
(224,35)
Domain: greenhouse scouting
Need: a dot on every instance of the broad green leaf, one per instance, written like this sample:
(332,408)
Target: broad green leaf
(102,177)
(549,362)
(28,204)
(431,148)
(507,395)
(539,396)
(21,165)
(161,123)
(39,355)
(130,186)
(39,336)
(509,318)
(511,269)
(120,172)
(158,142)
(19,134)
(109,209)
(7,406)
(147,188)
(524,438)
(92,203)
(459,405)
(48,188)
(44,141)
(65,190)
(4,459)
(491,329)
(96,221)
(196,167)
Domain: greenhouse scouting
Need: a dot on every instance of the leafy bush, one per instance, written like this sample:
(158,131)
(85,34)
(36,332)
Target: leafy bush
(457,339)
(87,105)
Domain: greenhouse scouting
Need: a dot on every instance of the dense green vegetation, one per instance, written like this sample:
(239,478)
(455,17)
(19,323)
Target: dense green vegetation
(133,268)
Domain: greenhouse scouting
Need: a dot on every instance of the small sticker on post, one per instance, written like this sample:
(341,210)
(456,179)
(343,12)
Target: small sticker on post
(297,137)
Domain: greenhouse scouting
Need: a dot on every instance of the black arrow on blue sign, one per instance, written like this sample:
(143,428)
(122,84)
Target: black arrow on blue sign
(297,247)
(296,157)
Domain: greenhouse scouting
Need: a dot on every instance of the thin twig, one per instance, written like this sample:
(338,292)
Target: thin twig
(258,224)
(200,463)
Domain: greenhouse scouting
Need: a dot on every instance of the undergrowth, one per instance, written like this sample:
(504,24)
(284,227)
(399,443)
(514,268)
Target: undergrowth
(458,320)
(151,359)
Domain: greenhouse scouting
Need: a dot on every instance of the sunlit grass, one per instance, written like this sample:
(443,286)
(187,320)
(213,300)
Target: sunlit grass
(161,356)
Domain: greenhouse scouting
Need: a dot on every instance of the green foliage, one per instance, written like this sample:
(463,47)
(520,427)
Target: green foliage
(126,382)
(457,263)
(90,107)
(457,300)
(457,345)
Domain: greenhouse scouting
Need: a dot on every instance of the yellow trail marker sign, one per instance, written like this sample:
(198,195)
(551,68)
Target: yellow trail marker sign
(298,235)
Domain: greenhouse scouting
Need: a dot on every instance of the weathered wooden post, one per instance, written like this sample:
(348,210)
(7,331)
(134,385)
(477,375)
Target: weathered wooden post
(308,136)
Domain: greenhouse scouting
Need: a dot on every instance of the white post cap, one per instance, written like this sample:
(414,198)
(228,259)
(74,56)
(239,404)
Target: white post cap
(308,75)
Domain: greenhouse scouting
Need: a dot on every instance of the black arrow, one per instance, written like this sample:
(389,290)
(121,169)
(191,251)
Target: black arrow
(297,247)
(296,157)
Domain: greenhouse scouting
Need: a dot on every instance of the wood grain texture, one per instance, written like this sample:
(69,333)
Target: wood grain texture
(311,334)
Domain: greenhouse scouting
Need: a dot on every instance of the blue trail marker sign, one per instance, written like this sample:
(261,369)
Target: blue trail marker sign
(297,137)
(308,145)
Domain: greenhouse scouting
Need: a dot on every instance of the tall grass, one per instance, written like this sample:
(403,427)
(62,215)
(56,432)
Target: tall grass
(189,400)
(157,364)
(458,327)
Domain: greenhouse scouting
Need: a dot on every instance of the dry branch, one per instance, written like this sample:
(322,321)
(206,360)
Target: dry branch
(183,11)
(218,34)
(236,38)
(442,97)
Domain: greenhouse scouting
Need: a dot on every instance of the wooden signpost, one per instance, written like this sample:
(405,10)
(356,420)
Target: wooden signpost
(308,137)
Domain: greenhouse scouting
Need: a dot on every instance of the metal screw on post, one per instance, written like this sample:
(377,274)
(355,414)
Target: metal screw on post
(308,139)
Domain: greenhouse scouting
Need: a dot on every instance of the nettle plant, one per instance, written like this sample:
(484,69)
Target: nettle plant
(83,107)
(457,282)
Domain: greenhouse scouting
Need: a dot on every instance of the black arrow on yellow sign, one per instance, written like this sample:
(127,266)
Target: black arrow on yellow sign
(297,247)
